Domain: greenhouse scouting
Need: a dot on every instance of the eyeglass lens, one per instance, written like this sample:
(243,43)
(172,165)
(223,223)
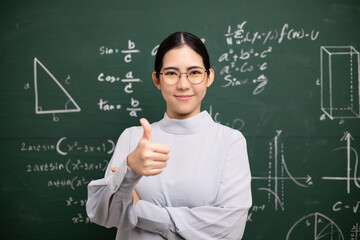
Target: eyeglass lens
(172,76)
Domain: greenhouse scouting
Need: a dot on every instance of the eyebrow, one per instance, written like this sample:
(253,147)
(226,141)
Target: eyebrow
(179,70)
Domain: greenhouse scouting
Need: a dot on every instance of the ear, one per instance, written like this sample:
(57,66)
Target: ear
(156,80)
(210,78)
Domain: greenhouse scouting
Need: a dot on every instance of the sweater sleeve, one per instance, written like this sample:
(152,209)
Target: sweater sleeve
(118,186)
(224,219)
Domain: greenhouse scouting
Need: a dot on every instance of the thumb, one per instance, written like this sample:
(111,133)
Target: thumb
(147,129)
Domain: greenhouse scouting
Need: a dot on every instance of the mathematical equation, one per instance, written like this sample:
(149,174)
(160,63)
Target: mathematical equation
(240,35)
(74,202)
(109,106)
(129,80)
(245,61)
(64,146)
(79,218)
(340,206)
(128,53)
(64,171)
(69,167)
(73,183)
(240,62)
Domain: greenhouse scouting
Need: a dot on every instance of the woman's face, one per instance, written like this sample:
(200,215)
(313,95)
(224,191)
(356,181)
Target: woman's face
(183,100)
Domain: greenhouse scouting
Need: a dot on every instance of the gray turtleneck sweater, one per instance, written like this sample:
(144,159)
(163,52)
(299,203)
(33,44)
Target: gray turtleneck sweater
(203,193)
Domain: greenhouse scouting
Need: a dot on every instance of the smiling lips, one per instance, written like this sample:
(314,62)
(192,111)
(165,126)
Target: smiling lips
(183,97)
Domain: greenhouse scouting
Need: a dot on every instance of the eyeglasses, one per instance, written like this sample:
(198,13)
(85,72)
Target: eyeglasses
(195,75)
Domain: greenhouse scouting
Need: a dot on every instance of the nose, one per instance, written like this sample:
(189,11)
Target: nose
(184,82)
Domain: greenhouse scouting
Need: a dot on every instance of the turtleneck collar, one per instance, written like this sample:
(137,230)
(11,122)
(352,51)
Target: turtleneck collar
(190,125)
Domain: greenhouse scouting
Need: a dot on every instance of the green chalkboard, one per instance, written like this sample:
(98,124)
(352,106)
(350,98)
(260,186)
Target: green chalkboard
(75,74)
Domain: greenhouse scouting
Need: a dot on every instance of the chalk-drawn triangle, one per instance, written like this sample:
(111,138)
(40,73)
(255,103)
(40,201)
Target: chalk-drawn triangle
(326,229)
(50,96)
(315,226)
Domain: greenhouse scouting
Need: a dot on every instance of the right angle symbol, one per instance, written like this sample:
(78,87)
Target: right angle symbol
(340,83)
(50,96)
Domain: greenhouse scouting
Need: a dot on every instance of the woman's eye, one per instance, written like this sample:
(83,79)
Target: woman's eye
(194,72)
(171,73)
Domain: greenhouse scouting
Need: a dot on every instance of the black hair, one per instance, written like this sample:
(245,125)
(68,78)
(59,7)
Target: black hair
(178,39)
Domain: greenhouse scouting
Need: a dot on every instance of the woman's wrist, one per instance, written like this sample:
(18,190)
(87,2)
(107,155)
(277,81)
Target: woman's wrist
(130,161)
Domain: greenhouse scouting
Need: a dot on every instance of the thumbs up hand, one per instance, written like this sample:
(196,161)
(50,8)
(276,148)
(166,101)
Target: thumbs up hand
(148,158)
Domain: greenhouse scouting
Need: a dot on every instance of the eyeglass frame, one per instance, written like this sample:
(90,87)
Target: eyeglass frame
(187,77)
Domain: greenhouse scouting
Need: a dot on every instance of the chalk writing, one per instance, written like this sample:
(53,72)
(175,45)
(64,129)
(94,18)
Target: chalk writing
(237,123)
(25,147)
(355,232)
(72,183)
(318,224)
(339,65)
(61,170)
(278,172)
(131,49)
(65,146)
(129,81)
(45,167)
(253,210)
(79,202)
(240,35)
(134,108)
(104,50)
(69,105)
(104,105)
(79,218)
(351,154)
(70,166)
(245,62)
(354,207)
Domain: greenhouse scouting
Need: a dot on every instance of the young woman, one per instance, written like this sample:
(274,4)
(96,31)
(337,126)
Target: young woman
(191,174)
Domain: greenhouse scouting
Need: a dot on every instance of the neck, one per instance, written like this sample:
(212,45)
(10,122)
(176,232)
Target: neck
(180,116)
(187,126)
